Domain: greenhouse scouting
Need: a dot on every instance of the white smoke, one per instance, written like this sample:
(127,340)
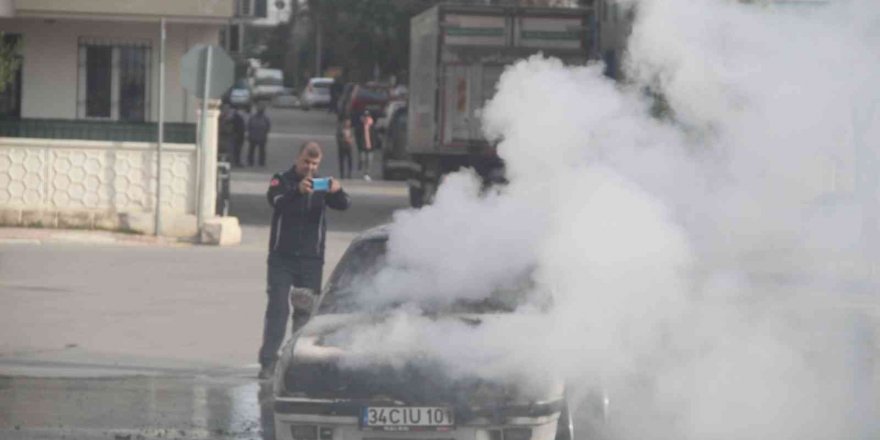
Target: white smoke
(703,267)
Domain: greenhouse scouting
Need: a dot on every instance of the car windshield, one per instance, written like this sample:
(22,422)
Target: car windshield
(268,81)
(373,94)
(325,85)
(361,264)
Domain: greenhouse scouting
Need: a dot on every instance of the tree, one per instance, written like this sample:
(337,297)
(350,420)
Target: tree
(10,61)
(368,39)
(363,37)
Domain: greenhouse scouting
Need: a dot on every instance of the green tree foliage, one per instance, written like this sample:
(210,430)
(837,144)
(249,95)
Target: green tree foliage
(363,36)
(10,61)
(366,35)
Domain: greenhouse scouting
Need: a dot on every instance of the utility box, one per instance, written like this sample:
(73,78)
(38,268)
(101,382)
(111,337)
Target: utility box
(457,55)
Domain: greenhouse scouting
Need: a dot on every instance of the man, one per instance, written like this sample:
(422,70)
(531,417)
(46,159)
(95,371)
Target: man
(225,132)
(237,128)
(296,244)
(258,133)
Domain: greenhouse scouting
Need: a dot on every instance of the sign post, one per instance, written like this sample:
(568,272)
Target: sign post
(160,136)
(206,72)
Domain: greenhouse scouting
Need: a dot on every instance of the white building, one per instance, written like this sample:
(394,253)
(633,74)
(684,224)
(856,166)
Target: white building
(78,124)
(254,19)
(99,59)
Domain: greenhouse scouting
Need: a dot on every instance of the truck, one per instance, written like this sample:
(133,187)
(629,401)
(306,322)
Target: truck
(457,55)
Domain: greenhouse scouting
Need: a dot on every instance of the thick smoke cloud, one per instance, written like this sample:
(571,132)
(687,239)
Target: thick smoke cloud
(708,270)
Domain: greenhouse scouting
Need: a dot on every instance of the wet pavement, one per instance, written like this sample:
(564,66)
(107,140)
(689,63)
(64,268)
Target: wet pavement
(135,408)
(156,341)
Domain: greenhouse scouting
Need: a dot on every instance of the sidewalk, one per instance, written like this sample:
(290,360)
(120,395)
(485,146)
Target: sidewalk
(82,236)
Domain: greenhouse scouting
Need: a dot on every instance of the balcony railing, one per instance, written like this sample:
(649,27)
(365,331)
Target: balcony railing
(175,132)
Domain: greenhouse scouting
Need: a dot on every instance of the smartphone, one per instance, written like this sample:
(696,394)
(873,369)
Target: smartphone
(321,184)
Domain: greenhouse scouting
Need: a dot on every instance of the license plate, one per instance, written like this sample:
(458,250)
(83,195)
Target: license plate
(407,418)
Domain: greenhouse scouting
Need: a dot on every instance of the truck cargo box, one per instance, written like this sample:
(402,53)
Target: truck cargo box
(457,54)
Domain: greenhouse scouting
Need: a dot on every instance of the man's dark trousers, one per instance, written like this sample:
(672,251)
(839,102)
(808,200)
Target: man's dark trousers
(284,273)
(260,147)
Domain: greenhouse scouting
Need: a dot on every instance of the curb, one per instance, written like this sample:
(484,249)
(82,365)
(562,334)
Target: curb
(36,236)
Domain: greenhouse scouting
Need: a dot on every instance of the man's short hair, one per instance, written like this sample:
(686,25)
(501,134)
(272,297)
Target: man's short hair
(311,149)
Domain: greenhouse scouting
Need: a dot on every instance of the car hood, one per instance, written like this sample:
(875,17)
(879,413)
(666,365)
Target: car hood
(317,367)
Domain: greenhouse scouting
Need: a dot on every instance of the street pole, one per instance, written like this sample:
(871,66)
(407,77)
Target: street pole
(317,46)
(200,214)
(161,135)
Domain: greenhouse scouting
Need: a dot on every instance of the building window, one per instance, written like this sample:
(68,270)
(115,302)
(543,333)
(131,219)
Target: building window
(132,83)
(114,80)
(261,9)
(244,8)
(234,39)
(99,70)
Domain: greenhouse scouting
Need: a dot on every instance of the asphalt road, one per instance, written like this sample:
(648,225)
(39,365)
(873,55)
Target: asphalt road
(124,342)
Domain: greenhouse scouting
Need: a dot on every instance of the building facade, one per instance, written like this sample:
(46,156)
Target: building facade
(99,59)
(78,124)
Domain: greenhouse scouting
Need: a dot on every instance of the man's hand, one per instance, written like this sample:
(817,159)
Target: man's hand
(305,186)
(335,186)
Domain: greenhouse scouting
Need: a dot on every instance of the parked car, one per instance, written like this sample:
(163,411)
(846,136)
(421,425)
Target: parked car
(286,99)
(396,163)
(266,83)
(388,112)
(239,95)
(319,396)
(316,93)
(357,98)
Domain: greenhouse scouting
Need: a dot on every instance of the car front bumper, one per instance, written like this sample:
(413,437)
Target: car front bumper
(339,420)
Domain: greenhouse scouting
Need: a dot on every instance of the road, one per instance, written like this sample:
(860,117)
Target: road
(108,341)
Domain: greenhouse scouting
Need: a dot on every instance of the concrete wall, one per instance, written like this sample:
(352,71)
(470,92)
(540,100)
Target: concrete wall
(92,184)
(50,51)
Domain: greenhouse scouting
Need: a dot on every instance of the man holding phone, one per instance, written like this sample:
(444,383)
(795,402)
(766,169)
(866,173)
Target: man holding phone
(296,244)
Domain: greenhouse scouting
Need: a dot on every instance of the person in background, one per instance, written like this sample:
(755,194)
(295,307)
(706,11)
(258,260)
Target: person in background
(225,135)
(365,142)
(345,143)
(259,126)
(239,125)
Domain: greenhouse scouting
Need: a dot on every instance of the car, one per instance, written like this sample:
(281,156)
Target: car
(319,396)
(286,99)
(266,83)
(316,93)
(358,98)
(239,95)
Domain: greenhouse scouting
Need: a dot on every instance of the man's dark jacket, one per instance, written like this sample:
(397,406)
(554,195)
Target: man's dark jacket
(299,225)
